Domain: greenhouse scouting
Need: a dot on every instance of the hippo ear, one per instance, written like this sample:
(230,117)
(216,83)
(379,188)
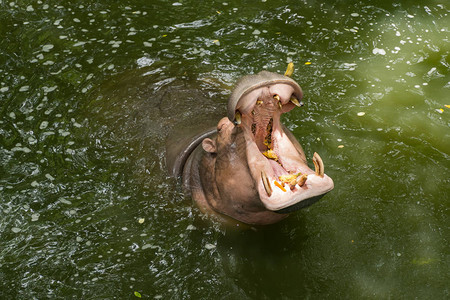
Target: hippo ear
(209,145)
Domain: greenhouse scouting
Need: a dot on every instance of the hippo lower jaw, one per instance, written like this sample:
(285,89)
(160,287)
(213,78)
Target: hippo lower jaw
(276,161)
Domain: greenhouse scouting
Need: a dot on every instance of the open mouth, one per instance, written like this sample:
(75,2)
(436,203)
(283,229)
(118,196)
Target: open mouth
(278,166)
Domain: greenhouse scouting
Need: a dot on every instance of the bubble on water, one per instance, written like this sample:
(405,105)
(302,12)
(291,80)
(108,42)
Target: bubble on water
(191,227)
(62,200)
(349,66)
(35,217)
(210,246)
(63,132)
(124,228)
(309,22)
(16,230)
(354,14)
(49,89)
(47,48)
(49,177)
(110,67)
(63,37)
(47,133)
(4,89)
(24,88)
(379,51)
(256,32)
(32,140)
(79,44)
(177,4)
(145,62)
(360,114)
(76,20)
(30,8)
(48,63)
(12,115)
(146,246)
(23,149)
(35,184)
(432,70)
(44,124)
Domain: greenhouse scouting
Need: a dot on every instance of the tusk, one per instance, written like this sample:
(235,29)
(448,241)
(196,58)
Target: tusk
(237,118)
(290,69)
(280,105)
(302,179)
(259,102)
(296,102)
(318,165)
(276,97)
(266,183)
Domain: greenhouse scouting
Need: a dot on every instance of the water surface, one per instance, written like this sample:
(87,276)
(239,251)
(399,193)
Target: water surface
(89,92)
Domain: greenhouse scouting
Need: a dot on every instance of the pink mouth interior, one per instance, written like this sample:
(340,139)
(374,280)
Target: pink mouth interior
(264,133)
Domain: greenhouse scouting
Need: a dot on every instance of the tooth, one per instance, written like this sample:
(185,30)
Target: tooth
(237,118)
(296,102)
(259,102)
(266,183)
(318,164)
(280,105)
(276,97)
(302,179)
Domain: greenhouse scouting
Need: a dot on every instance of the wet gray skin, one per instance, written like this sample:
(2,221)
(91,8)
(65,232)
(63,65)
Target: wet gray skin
(250,168)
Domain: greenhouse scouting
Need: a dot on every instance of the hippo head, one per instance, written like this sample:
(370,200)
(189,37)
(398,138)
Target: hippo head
(256,170)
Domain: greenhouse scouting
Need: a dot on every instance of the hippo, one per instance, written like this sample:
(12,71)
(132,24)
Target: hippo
(250,168)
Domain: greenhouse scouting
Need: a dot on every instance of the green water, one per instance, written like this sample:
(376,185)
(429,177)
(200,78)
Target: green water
(90,90)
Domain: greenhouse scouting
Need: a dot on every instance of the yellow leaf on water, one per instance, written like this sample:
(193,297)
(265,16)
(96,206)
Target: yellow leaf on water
(422,261)
(341,146)
(307,63)
(448,106)
(141,220)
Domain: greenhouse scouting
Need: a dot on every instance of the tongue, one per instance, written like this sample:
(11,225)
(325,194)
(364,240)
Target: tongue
(277,168)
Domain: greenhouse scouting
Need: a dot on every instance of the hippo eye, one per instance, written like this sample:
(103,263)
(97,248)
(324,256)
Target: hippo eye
(219,127)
